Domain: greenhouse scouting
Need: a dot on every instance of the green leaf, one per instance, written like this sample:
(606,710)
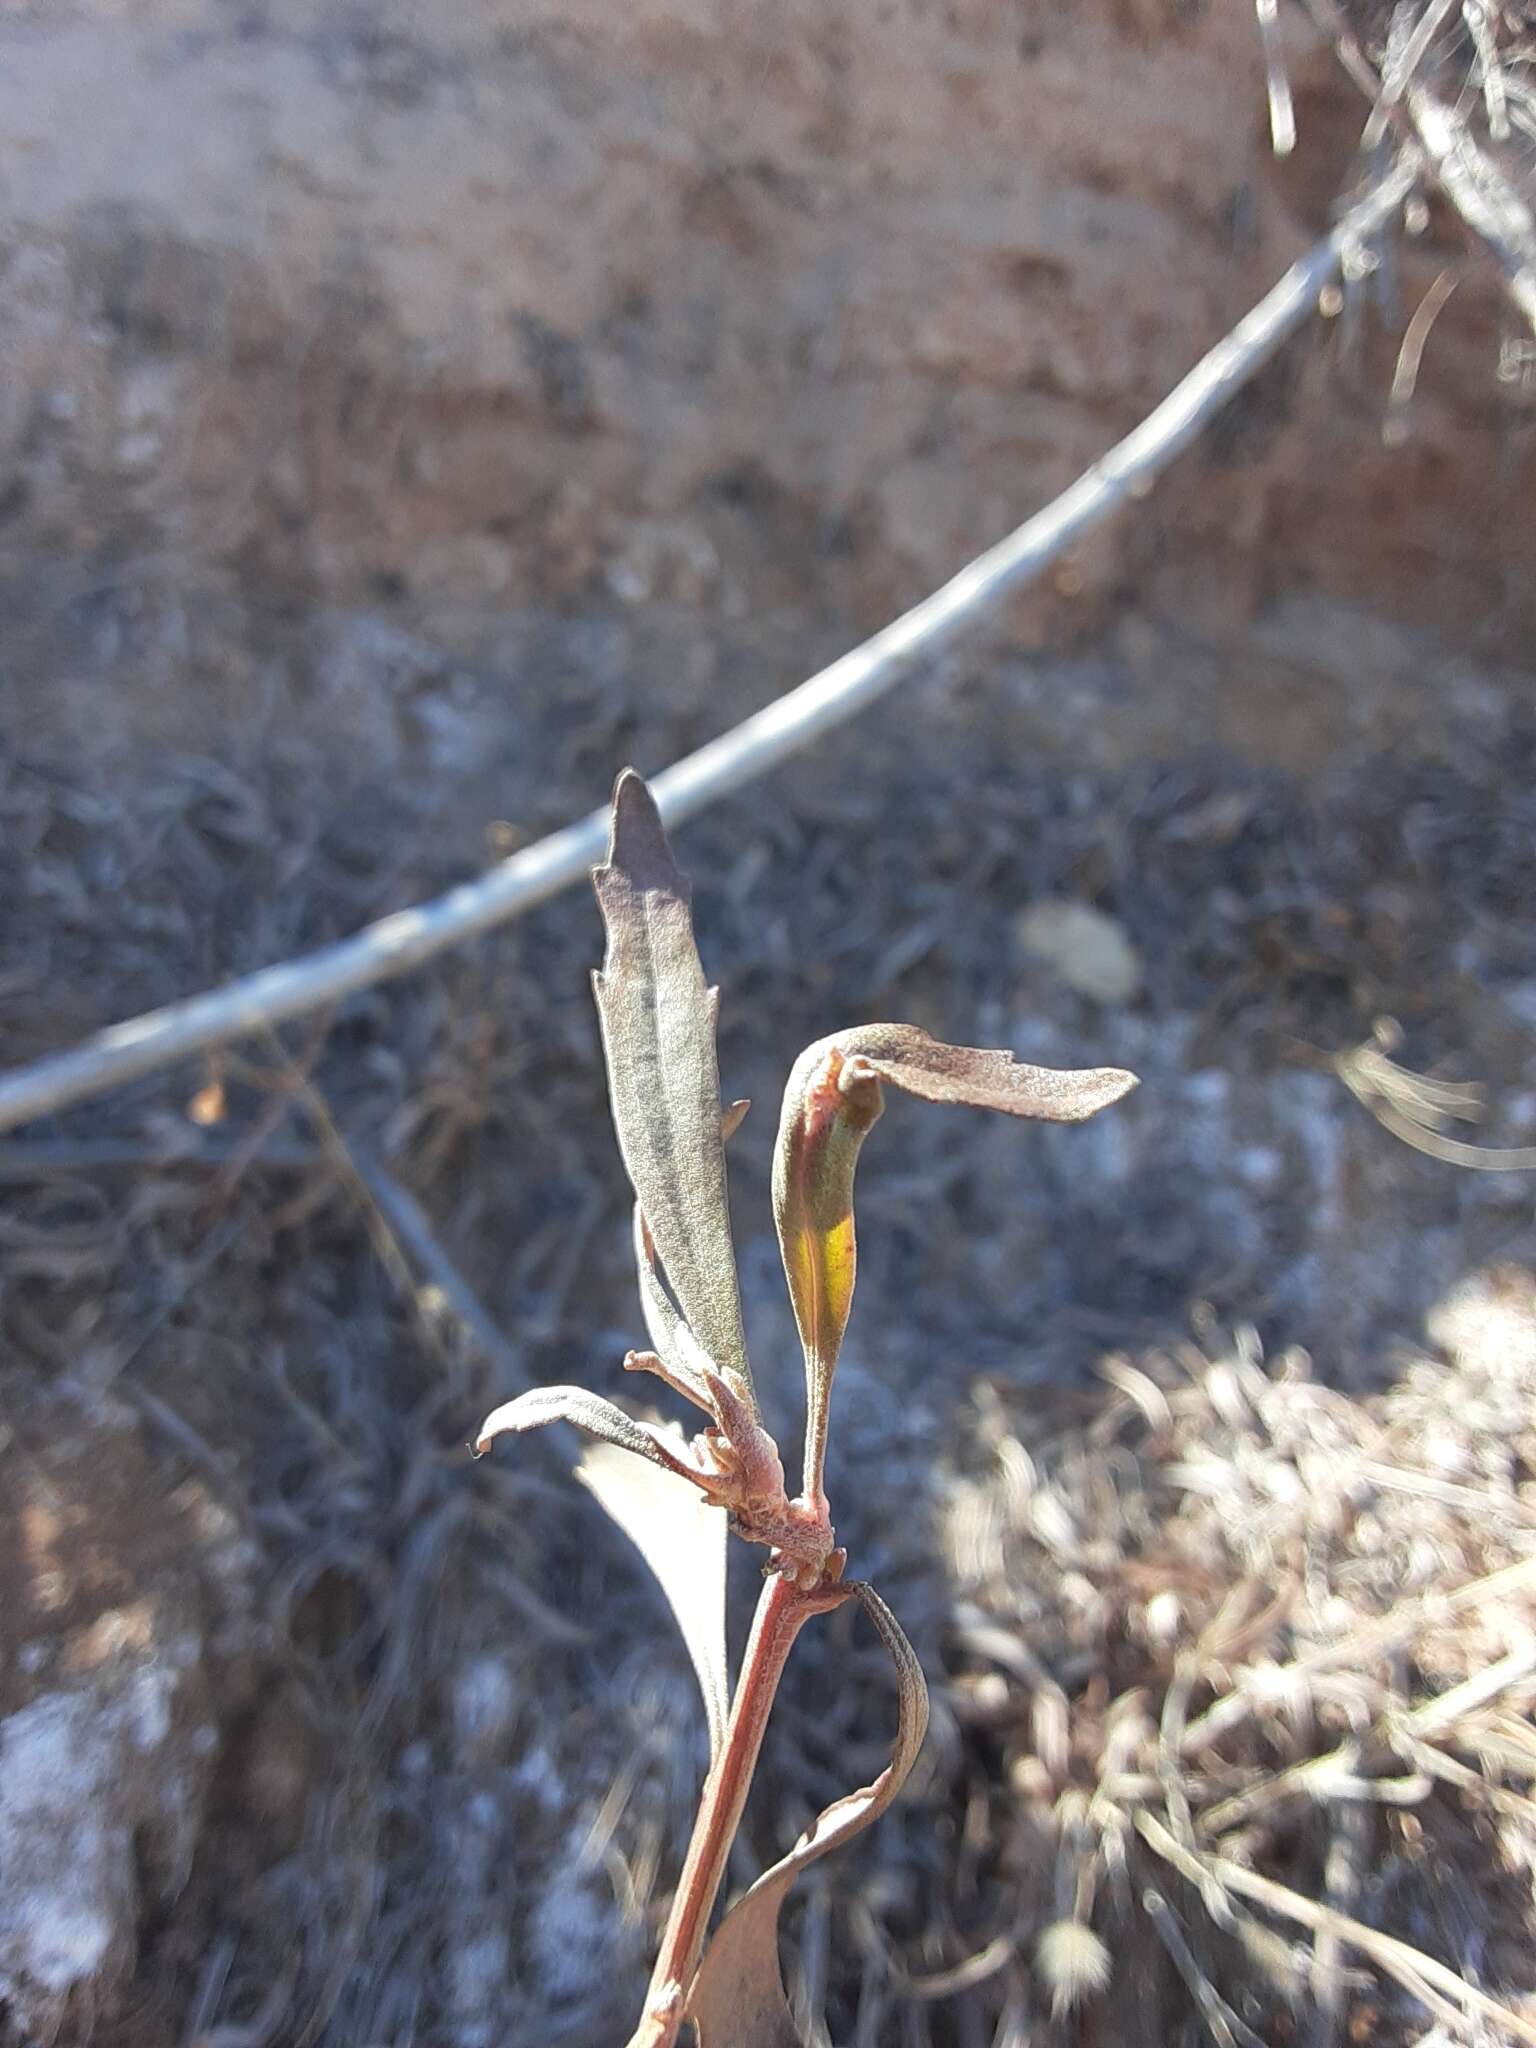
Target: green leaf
(737,1999)
(663,1325)
(831,1104)
(658,1026)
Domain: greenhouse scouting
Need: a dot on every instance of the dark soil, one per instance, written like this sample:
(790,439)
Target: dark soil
(454,1774)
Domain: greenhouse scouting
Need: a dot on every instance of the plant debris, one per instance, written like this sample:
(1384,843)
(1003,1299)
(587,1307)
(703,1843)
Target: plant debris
(456,1757)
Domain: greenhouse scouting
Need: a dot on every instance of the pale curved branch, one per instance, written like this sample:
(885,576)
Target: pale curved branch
(404,940)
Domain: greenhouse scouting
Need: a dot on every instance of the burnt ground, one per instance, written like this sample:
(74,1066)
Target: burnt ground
(431,1740)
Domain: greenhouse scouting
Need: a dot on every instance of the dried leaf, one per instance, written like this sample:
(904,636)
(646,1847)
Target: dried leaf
(599,1418)
(737,1999)
(909,1059)
(682,1538)
(830,1105)
(658,1026)
(1417,1108)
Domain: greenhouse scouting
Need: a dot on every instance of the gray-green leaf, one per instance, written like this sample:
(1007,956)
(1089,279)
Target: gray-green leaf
(657,1017)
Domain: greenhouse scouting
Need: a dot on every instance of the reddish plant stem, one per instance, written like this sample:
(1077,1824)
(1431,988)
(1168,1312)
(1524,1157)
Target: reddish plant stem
(782,1612)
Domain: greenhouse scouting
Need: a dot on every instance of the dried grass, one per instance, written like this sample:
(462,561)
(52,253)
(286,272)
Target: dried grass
(1240,1641)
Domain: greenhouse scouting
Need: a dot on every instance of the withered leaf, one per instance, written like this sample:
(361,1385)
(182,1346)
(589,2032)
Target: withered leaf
(910,1060)
(599,1418)
(737,1998)
(682,1538)
(831,1103)
(1418,1108)
(658,1029)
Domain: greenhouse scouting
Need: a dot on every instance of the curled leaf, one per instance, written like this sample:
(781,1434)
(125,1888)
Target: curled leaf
(832,1102)
(829,1110)
(910,1060)
(658,1027)
(737,1999)
(682,1538)
(599,1418)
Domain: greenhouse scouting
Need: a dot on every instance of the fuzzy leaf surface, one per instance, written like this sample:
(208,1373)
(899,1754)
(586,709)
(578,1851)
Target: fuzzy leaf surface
(737,1999)
(909,1059)
(682,1538)
(599,1418)
(658,1028)
(662,1323)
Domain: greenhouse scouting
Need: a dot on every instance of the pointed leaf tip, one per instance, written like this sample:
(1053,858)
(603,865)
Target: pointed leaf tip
(637,839)
(658,1028)
(732,1117)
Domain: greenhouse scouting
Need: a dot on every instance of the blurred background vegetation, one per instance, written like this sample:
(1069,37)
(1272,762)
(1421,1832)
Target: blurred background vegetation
(409,421)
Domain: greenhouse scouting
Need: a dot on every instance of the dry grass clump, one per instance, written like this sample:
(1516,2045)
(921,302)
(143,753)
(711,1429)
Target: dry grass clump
(1251,1663)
